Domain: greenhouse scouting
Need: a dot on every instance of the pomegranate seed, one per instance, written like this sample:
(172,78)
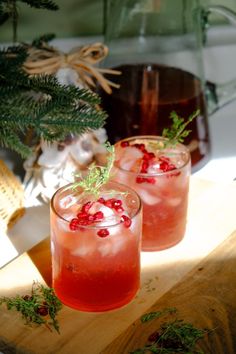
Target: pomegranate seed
(146,156)
(151,155)
(124,144)
(164,158)
(117,203)
(154,336)
(74,224)
(101,200)
(85,208)
(90,218)
(150,180)
(109,202)
(83,222)
(174,174)
(82,215)
(98,215)
(166,166)
(171,167)
(140,180)
(119,209)
(42,311)
(126,220)
(137,146)
(142,147)
(27,297)
(144,166)
(103,233)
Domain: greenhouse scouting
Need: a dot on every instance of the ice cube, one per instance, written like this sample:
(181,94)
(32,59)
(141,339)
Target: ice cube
(111,216)
(118,243)
(174,202)
(107,212)
(127,164)
(121,176)
(105,247)
(84,248)
(130,160)
(67,201)
(154,166)
(113,243)
(132,152)
(147,197)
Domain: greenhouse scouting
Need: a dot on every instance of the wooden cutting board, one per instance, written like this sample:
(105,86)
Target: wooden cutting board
(206,297)
(211,220)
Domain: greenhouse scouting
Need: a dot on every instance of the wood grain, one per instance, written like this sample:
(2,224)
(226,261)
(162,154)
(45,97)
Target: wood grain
(206,297)
(41,257)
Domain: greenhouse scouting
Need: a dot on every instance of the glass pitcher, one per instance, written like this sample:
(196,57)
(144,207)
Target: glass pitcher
(157,45)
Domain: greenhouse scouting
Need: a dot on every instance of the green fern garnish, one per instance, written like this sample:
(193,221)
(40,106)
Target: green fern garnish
(177,132)
(97,176)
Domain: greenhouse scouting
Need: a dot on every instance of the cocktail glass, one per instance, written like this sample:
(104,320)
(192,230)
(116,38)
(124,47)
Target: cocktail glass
(96,259)
(160,175)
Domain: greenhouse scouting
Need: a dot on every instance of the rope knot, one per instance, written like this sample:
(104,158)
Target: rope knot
(48,60)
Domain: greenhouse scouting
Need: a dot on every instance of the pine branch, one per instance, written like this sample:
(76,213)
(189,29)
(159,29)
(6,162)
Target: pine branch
(9,11)
(41,104)
(4,15)
(52,124)
(41,4)
(38,42)
(11,140)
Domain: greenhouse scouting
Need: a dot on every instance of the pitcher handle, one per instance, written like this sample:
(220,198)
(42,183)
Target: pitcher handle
(218,94)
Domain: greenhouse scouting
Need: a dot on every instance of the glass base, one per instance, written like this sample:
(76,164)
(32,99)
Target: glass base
(98,309)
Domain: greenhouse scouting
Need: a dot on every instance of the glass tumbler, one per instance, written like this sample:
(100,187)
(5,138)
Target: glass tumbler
(161,178)
(96,259)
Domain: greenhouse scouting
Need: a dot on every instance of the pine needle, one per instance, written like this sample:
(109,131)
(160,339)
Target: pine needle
(40,307)
(97,176)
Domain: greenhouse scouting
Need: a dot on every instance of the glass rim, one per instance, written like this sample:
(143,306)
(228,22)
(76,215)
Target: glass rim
(95,227)
(153,137)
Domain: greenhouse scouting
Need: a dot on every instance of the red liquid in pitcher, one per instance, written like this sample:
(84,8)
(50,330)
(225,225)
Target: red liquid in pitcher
(145,99)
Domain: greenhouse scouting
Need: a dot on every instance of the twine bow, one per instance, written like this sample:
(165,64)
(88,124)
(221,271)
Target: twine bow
(48,60)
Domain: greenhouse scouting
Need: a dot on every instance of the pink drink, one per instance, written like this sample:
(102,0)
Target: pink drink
(96,263)
(161,178)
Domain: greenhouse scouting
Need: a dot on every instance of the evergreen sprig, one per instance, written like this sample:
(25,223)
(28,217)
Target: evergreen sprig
(41,4)
(151,315)
(40,307)
(178,132)
(9,10)
(174,336)
(41,104)
(97,176)
(38,104)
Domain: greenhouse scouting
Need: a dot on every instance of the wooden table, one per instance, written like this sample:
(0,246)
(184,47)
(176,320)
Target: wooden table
(198,277)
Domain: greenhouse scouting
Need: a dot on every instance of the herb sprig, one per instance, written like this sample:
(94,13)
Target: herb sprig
(40,307)
(175,336)
(97,176)
(151,315)
(178,132)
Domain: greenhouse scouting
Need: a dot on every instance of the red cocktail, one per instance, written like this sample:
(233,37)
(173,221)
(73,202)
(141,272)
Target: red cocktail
(95,245)
(160,175)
